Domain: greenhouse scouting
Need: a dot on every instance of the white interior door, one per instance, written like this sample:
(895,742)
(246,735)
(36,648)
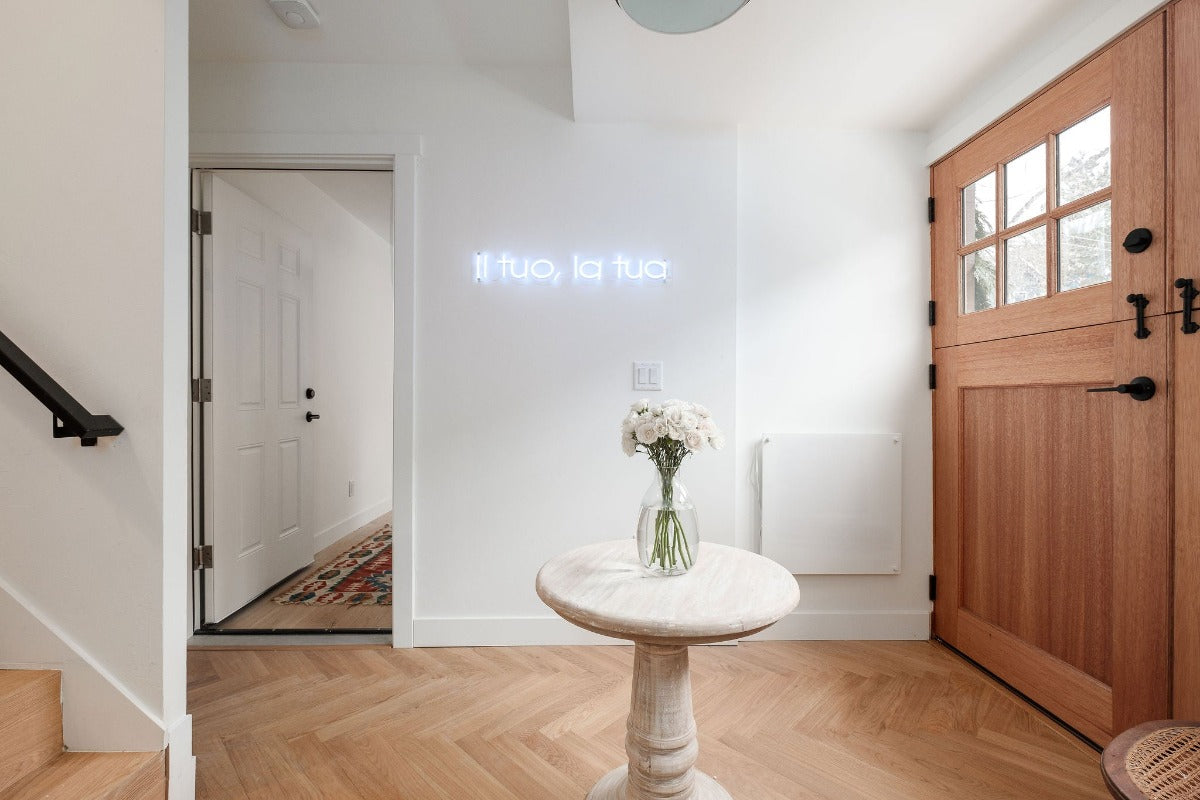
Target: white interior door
(259,459)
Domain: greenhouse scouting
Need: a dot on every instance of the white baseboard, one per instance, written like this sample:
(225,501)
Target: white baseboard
(350,523)
(549,630)
(849,626)
(181,764)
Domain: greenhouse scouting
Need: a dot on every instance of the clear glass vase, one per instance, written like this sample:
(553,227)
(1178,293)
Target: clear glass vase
(668,536)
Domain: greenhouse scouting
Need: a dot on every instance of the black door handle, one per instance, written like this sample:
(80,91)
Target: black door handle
(1140,302)
(1188,294)
(1138,240)
(1140,388)
(309,417)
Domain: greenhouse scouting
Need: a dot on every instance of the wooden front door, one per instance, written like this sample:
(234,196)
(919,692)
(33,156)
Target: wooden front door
(1052,539)
(1185,262)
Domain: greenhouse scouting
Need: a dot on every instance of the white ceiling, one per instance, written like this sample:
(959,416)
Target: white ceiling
(456,32)
(851,63)
(841,63)
(366,195)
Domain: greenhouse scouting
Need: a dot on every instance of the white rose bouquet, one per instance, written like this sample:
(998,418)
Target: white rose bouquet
(668,433)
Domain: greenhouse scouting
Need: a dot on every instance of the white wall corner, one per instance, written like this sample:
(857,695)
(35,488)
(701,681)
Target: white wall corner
(99,713)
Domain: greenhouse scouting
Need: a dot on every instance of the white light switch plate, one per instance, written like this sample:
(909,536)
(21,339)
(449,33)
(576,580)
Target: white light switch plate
(647,376)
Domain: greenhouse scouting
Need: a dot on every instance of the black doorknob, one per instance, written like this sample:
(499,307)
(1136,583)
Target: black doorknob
(311,416)
(310,393)
(1138,240)
(1140,388)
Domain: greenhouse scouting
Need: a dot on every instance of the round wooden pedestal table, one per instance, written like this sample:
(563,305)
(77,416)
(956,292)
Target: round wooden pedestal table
(728,594)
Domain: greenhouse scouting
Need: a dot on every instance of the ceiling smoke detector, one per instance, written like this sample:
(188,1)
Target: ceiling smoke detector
(296,13)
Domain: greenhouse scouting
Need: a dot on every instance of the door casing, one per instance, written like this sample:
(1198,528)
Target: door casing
(399,154)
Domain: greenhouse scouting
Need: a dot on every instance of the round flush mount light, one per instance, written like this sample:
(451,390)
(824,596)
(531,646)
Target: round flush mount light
(680,16)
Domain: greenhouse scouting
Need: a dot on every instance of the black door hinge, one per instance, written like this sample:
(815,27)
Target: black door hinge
(202,222)
(932,313)
(932,588)
(933,376)
(931,211)
(202,557)
(201,390)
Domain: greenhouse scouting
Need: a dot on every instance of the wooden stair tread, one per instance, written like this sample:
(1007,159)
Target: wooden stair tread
(30,722)
(14,680)
(94,776)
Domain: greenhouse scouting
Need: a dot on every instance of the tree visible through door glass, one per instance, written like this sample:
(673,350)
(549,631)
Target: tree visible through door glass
(1084,158)
(979,280)
(1025,186)
(979,209)
(1085,247)
(1025,266)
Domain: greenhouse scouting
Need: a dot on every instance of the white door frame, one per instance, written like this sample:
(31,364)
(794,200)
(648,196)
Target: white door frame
(398,153)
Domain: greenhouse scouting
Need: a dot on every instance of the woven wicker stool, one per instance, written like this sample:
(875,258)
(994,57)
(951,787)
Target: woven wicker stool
(1154,761)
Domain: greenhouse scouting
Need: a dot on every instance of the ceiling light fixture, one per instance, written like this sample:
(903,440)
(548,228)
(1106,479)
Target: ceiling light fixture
(296,13)
(680,16)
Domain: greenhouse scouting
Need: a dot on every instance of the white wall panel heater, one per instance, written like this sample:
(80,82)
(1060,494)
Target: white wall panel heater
(831,502)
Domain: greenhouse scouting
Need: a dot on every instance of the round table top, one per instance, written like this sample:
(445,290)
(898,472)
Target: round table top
(728,594)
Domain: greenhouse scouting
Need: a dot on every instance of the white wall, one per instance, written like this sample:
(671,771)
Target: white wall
(519,388)
(352,350)
(800,256)
(83,238)
(833,282)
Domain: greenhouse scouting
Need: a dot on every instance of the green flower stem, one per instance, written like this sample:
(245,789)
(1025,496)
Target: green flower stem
(671,548)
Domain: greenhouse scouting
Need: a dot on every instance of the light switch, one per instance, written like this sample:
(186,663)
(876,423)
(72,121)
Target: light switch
(647,376)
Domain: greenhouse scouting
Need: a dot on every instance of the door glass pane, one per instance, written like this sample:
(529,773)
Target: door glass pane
(1025,186)
(979,280)
(1025,266)
(1084,158)
(979,209)
(1085,247)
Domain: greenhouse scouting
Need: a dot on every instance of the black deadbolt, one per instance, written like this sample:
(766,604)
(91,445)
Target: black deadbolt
(310,393)
(1138,240)
(1140,388)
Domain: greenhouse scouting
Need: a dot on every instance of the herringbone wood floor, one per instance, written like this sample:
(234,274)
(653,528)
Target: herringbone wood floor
(777,720)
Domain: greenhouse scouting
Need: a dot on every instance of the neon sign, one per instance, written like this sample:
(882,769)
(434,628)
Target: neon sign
(487,268)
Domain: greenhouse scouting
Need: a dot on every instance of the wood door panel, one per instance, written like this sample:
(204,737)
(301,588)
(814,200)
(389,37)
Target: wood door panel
(1186,394)
(1139,171)
(1069,694)
(1129,77)
(1018,491)
(1141,535)
(1052,545)
(1185,145)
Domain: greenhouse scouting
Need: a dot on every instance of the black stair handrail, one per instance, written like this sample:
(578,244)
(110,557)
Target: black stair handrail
(70,417)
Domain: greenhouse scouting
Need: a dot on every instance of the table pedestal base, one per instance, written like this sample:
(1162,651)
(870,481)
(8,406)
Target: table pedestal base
(612,787)
(660,736)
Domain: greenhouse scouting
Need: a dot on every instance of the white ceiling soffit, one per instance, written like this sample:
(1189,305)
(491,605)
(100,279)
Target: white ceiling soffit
(366,195)
(433,32)
(895,64)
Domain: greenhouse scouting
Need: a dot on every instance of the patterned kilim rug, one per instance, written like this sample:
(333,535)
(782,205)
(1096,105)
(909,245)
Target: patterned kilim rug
(360,576)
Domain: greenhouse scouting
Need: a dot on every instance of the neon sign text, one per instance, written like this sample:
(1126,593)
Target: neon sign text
(488,268)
